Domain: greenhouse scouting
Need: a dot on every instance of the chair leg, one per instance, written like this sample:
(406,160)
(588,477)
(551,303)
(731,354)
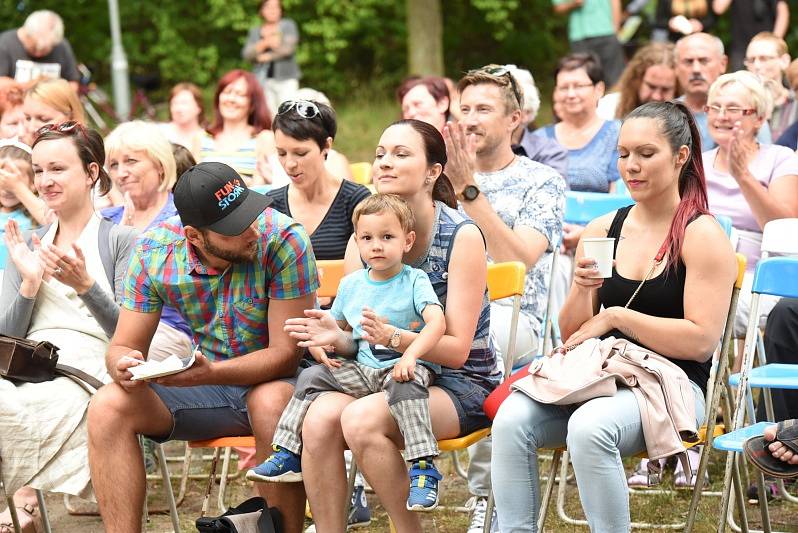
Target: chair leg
(223,480)
(167,485)
(207,498)
(350,483)
(488,523)
(458,466)
(547,492)
(43,512)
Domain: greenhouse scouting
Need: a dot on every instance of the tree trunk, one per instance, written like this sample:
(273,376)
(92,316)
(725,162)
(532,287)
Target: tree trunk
(425,37)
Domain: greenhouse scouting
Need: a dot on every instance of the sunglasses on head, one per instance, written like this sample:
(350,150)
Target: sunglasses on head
(500,71)
(69,126)
(303,108)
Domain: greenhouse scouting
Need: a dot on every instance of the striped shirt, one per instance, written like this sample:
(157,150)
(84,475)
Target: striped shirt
(227,310)
(331,236)
(244,159)
(481,363)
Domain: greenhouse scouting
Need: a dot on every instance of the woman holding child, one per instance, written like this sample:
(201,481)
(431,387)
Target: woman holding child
(669,241)
(409,163)
(61,285)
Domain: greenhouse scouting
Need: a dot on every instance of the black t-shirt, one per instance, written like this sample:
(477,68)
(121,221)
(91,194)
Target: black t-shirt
(661,296)
(330,238)
(749,17)
(12,52)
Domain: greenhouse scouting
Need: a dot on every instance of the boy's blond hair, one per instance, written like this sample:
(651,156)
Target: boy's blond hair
(385,203)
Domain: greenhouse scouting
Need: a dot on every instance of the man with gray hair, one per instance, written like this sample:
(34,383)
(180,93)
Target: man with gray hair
(700,60)
(38,49)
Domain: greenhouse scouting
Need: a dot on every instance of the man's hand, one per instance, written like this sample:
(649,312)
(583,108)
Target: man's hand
(122,375)
(461,153)
(405,368)
(200,373)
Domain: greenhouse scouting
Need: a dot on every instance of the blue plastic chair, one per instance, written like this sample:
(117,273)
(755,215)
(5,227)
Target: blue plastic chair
(620,188)
(725,223)
(582,207)
(777,276)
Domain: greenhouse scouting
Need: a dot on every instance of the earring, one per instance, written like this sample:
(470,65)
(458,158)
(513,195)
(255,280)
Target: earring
(427,181)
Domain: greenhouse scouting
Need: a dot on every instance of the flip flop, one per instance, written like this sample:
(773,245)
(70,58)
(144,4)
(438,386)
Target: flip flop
(757,451)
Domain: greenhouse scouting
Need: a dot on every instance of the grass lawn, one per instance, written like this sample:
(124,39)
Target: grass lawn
(657,509)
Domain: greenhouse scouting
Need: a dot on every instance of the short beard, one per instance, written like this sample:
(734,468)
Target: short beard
(229,255)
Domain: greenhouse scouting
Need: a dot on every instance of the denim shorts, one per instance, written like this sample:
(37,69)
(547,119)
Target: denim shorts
(207,411)
(467,397)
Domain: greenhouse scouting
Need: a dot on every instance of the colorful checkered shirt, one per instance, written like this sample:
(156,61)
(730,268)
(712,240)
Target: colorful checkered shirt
(226,311)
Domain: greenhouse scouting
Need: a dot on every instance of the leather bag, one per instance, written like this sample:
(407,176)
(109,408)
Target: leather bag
(27,361)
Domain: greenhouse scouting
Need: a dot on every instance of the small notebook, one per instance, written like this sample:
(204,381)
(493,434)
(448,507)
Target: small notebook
(156,369)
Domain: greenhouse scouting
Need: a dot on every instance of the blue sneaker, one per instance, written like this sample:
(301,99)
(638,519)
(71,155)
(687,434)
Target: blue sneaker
(359,513)
(424,479)
(282,466)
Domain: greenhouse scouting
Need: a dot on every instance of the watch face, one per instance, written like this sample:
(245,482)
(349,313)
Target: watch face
(470,192)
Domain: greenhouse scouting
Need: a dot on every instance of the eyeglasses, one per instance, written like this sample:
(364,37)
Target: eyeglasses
(750,61)
(500,71)
(303,108)
(70,126)
(576,87)
(731,111)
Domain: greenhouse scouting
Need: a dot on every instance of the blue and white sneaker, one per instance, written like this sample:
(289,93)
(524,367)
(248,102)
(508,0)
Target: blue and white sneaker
(282,466)
(424,479)
(359,512)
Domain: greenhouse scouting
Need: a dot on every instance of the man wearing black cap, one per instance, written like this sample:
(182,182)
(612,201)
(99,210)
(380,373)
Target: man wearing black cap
(223,263)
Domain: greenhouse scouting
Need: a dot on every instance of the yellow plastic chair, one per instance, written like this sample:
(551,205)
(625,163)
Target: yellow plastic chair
(718,377)
(330,274)
(361,172)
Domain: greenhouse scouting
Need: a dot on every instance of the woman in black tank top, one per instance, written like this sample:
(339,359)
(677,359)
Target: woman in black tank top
(679,313)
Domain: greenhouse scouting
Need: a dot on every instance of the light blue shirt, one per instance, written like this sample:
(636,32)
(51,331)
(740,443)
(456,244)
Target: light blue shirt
(400,299)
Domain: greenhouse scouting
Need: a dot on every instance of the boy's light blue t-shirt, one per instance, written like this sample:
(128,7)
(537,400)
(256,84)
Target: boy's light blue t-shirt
(400,299)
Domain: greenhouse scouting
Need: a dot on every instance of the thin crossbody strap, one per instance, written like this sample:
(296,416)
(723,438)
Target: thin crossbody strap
(657,260)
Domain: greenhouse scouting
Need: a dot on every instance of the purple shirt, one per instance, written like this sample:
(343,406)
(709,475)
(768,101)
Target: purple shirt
(725,198)
(169,315)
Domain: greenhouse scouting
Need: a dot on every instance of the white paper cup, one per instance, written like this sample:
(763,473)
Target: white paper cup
(601,249)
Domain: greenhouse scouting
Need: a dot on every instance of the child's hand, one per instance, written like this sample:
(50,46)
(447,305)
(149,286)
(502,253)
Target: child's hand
(320,355)
(404,369)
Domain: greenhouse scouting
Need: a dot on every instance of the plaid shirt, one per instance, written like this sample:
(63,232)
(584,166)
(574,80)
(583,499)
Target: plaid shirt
(226,311)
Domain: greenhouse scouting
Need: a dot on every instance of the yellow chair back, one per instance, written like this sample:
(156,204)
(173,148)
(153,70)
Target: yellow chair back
(330,273)
(506,279)
(361,172)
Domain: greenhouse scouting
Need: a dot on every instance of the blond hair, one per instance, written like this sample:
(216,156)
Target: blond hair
(506,83)
(781,44)
(59,95)
(385,203)
(757,92)
(138,135)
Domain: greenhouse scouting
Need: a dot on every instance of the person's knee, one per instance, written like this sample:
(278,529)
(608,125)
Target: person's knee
(360,425)
(585,436)
(267,401)
(109,407)
(322,426)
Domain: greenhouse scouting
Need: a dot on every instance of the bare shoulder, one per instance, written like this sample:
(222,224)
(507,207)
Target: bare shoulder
(264,141)
(599,227)
(706,245)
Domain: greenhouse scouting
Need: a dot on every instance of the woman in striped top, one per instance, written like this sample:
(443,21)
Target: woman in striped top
(304,131)
(240,134)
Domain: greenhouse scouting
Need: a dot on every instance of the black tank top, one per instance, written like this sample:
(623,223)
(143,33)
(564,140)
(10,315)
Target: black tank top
(661,296)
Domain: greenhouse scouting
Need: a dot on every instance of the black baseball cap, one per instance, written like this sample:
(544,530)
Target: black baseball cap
(214,196)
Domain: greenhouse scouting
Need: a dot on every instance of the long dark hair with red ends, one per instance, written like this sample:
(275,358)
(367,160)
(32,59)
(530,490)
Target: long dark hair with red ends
(259,116)
(677,125)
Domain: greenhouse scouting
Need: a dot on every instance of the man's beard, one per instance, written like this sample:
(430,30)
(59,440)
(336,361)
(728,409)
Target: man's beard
(236,256)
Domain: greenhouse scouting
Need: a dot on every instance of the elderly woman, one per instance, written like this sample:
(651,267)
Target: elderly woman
(61,285)
(240,135)
(590,140)
(141,164)
(749,182)
(186,117)
(668,242)
(409,162)
(650,76)
(425,98)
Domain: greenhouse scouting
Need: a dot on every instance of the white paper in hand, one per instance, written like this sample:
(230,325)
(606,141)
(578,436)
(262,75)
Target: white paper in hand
(156,369)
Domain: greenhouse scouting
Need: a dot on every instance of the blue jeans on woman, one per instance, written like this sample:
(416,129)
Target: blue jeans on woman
(598,433)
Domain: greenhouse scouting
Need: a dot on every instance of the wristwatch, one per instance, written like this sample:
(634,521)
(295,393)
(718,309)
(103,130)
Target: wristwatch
(396,337)
(470,193)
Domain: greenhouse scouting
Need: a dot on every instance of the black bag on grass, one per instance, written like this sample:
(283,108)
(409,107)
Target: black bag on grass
(252,516)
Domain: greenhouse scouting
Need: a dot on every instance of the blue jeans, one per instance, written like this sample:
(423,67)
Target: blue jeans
(598,433)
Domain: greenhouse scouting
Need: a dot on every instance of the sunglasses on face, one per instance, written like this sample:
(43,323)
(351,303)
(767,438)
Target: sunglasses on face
(303,108)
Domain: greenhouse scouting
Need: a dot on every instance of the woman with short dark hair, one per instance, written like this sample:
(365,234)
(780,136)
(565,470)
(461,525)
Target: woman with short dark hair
(303,134)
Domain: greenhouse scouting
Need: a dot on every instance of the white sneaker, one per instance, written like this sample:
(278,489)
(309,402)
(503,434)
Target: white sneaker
(479,507)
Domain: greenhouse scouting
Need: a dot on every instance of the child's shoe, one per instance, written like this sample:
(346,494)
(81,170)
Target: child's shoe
(282,466)
(424,479)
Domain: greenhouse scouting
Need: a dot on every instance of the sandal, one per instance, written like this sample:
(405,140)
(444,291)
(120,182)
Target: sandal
(29,520)
(757,451)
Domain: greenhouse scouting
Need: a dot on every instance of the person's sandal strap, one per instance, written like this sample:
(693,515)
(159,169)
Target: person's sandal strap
(787,434)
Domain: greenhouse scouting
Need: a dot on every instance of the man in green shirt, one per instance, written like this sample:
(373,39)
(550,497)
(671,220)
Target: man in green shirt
(592,27)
